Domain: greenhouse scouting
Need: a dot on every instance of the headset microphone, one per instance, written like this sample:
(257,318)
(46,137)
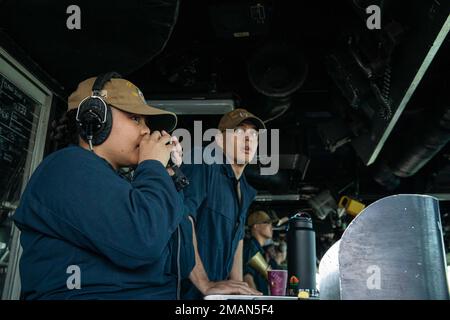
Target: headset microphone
(179,178)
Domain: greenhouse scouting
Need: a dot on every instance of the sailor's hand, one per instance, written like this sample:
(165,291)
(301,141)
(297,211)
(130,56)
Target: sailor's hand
(176,154)
(231,287)
(155,147)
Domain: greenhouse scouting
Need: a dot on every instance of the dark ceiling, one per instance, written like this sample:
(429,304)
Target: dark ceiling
(337,91)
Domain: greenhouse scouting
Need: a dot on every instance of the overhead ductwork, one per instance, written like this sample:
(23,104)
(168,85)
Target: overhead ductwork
(377,73)
(427,144)
(277,71)
(412,154)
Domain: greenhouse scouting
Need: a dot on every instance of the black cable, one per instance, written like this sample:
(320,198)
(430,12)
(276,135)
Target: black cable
(178,265)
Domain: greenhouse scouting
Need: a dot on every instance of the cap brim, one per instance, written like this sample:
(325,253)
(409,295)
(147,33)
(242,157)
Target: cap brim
(167,122)
(259,124)
(157,119)
(273,222)
(279,228)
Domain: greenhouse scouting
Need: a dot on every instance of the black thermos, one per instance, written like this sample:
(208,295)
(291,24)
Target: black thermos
(301,253)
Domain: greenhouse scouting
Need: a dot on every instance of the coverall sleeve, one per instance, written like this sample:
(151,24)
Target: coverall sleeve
(92,207)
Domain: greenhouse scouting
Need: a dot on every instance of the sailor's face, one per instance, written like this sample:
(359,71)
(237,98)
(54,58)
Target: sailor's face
(243,141)
(266,230)
(127,132)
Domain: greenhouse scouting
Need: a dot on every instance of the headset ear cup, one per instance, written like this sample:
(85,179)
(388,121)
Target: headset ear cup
(82,117)
(91,113)
(94,117)
(105,129)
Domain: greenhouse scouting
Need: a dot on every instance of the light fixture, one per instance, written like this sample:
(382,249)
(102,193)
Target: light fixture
(194,106)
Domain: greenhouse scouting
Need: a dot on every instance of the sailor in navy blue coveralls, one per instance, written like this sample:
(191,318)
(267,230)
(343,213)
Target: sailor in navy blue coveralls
(218,199)
(122,236)
(211,199)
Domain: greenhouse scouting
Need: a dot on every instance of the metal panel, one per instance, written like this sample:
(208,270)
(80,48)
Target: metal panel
(394,250)
(329,274)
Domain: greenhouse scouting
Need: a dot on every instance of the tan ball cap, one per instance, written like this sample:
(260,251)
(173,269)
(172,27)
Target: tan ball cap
(233,118)
(125,96)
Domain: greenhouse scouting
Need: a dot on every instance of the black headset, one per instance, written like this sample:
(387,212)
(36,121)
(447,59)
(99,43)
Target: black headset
(94,120)
(94,117)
